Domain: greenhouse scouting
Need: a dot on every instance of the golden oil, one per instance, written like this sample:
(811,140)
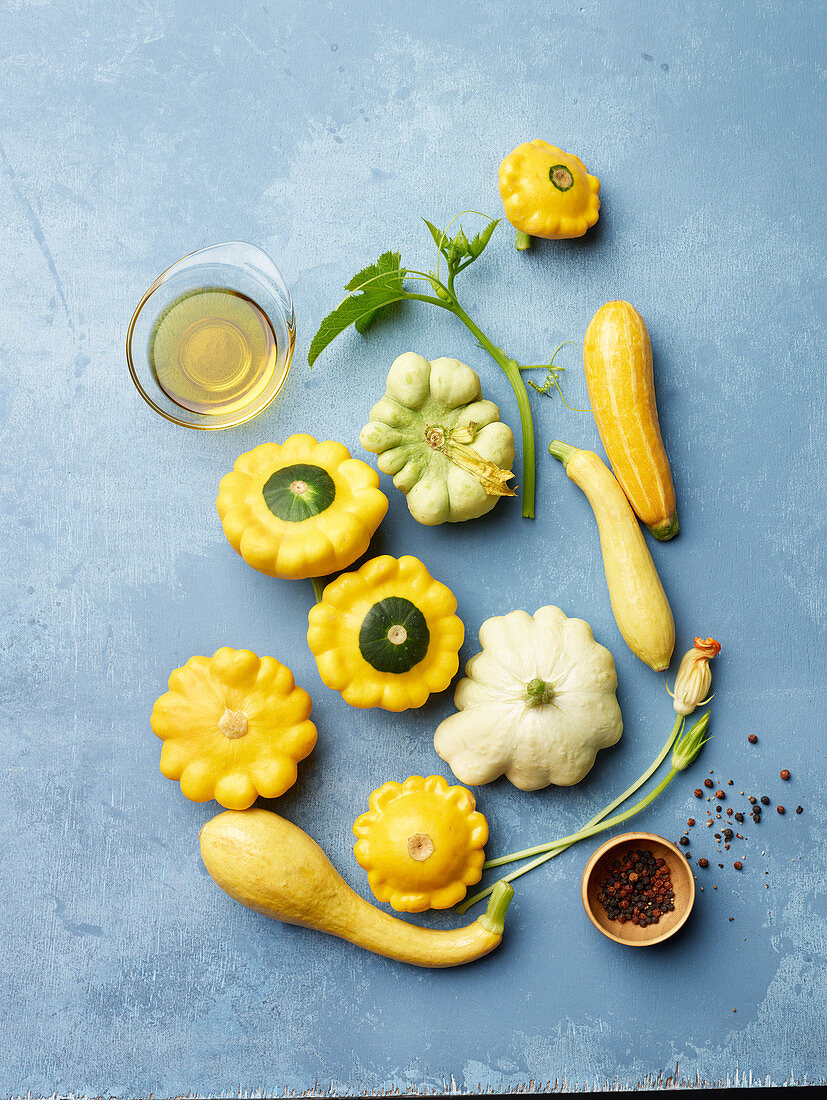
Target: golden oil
(213,351)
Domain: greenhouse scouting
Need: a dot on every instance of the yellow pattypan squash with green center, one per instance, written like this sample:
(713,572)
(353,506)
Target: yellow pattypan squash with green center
(234,726)
(547,193)
(387,635)
(301,508)
(421,843)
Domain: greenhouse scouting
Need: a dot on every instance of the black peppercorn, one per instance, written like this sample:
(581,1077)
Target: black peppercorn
(752,739)
(799,809)
(684,841)
(765,800)
(752,799)
(708,783)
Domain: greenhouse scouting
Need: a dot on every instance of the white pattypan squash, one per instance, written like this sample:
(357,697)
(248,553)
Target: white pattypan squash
(536,704)
(446,447)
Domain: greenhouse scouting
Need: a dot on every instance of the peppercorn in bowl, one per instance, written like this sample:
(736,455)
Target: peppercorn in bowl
(638,889)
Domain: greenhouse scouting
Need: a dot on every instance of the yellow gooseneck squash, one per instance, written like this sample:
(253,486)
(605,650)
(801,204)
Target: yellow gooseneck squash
(271,866)
(301,508)
(639,602)
(617,356)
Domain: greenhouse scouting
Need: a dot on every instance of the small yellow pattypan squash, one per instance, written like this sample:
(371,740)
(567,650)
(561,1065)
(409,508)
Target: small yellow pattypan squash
(234,726)
(386,636)
(421,843)
(301,508)
(547,193)
(446,447)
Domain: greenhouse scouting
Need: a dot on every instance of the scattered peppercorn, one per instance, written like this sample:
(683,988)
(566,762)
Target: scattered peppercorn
(753,740)
(728,834)
(765,800)
(684,841)
(799,809)
(698,792)
(780,809)
(784,773)
(730,782)
(739,818)
(637,888)
(737,865)
(752,799)
(690,822)
(720,794)
(702,862)
(708,783)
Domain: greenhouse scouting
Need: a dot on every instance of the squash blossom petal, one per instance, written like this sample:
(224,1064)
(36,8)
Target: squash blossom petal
(694,677)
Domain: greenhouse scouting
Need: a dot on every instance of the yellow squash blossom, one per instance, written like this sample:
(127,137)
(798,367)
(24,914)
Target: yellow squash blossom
(694,677)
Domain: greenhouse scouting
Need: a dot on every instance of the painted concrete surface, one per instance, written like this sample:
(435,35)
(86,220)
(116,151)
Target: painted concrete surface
(131,134)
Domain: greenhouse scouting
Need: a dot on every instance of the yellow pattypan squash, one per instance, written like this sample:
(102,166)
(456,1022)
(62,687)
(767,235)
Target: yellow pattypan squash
(234,726)
(301,508)
(386,636)
(421,843)
(547,193)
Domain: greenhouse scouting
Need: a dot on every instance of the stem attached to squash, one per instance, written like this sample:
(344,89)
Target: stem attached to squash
(511,369)
(494,916)
(522,241)
(318,587)
(549,851)
(558,449)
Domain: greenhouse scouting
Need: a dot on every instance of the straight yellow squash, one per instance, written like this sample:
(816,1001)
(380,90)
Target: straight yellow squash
(639,603)
(617,357)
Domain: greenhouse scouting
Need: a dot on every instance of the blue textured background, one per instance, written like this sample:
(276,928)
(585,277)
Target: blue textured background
(131,134)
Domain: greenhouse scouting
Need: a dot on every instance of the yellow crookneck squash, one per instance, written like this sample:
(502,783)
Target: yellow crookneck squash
(234,726)
(547,193)
(421,843)
(386,635)
(272,867)
(301,508)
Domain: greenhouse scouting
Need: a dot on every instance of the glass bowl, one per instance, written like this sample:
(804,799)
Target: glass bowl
(243,270)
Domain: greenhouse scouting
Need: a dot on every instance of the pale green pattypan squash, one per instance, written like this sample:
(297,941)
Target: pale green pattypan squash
(536,704)
(445,446)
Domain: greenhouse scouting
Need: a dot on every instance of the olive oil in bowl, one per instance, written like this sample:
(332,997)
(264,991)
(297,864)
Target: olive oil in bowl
(213,351)
(211,341)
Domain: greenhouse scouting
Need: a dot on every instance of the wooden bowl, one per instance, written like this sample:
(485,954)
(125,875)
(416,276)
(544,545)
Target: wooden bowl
(683,887)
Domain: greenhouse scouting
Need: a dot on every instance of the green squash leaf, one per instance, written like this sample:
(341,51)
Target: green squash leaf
(374,287)
(477,245)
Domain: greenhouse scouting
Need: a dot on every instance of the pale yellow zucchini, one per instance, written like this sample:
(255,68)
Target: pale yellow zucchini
(639,602)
